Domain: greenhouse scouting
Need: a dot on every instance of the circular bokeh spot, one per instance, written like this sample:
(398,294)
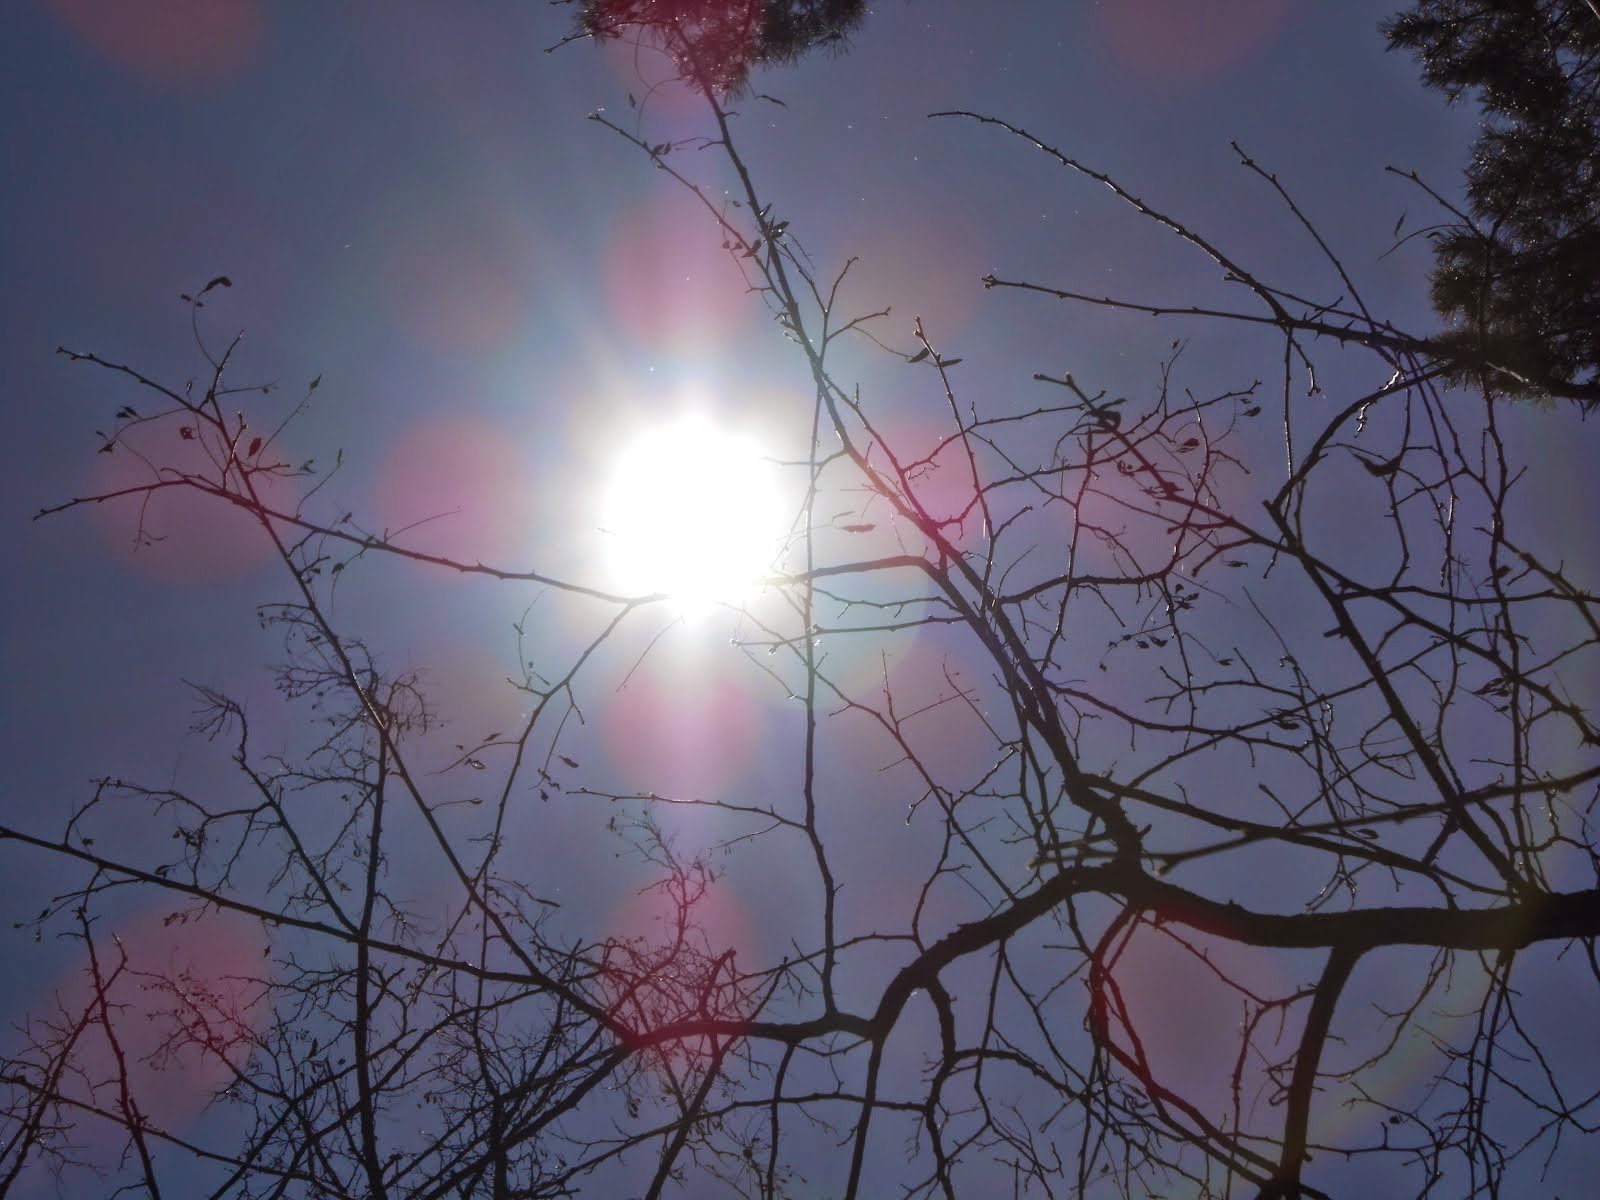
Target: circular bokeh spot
(173,41)
(682,730)
(178,533)
(669,283)
(457,488)
(1170,1004)
(184,992)
(1181,40)
(674,957)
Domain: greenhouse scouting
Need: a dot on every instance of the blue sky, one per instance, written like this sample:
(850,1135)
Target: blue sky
(494,291)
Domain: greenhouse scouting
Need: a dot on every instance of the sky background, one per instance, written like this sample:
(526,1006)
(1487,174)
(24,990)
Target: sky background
(494,290)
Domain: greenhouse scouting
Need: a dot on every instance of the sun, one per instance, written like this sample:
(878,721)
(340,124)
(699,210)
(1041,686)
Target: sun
(693,511)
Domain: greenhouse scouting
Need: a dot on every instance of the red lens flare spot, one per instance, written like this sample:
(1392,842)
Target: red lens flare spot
(458,489)
(699,910)
(173,41)
(1165,1003)
(669,282)
(686,734)
(673,957)
(184,993)
(178,533)
(932,467)
(1181,40)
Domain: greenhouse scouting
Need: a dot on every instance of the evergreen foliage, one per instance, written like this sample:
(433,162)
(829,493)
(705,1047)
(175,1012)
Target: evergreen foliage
(1519,273)
(715,43)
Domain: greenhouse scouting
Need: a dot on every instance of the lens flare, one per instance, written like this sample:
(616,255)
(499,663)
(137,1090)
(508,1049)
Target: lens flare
(173,41)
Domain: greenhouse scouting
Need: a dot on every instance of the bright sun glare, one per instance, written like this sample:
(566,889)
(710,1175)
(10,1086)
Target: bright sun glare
(692,511)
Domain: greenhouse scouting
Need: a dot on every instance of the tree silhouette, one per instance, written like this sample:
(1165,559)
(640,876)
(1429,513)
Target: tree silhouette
(1249,765)
(1518,271)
